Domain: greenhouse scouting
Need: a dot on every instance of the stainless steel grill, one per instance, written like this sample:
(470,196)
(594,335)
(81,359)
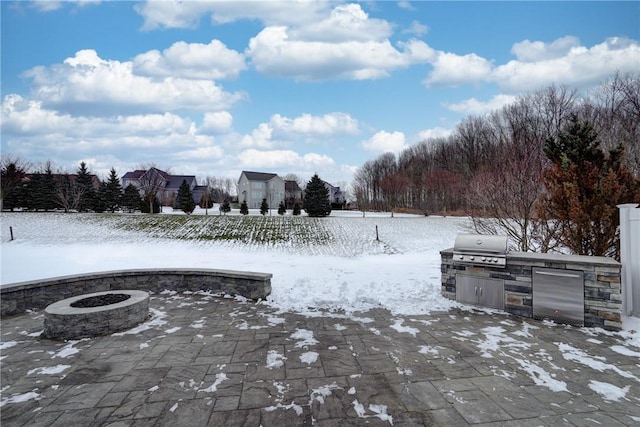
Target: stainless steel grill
(479,249)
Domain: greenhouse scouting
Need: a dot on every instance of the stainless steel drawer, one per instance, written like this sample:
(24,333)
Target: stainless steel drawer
(558,295)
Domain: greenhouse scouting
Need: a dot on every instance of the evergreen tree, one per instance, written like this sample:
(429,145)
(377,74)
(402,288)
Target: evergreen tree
(15,199)
(296,209)
(282,209)
(85,181)
(225,207)
(184,201)
(316,198)
(100,198)
(584,185)
(41,190)
(131,199)
(264,207)
(11,177)
(111,192)
(244,209)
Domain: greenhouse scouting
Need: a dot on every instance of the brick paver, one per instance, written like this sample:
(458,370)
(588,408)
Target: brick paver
(206,361)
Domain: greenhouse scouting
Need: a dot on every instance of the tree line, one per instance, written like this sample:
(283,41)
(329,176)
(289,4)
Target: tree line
(547,169)
(40,188)
(44,190)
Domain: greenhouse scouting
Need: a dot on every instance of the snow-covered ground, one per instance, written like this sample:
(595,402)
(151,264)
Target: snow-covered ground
(352,273)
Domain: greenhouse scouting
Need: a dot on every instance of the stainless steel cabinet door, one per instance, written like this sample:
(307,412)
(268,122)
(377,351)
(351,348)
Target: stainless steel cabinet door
(480,291)
(467,289)
(558,294)
(491,293)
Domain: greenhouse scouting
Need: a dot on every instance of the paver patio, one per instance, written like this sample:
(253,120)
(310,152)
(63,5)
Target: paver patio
(210,361)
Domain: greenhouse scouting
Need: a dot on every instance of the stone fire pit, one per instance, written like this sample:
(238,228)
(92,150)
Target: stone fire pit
(95,314)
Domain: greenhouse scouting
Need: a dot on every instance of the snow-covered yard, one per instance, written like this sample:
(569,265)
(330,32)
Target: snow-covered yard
(347,270)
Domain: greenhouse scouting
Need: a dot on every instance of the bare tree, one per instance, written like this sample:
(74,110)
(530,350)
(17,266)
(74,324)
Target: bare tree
(363,186)
(294,177)
(503,195)
(152,182)
(68,193)
(394,188)
(614,110)
(554,105)
(206,201)
(472,138)
(504,198)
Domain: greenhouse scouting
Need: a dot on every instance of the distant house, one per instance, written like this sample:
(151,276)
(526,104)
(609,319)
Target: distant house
(166,186)
(336,196)
(255,186)
(292,193)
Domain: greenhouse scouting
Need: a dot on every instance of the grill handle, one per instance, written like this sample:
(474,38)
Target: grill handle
(544,273)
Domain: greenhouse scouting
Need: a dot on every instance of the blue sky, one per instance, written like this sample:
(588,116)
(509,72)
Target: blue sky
(214,88)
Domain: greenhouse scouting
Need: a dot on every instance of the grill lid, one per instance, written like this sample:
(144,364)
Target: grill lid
(478,249)
(480,243)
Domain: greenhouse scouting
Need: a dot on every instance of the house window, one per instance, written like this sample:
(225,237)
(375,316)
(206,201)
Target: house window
(257,184)
(257,195)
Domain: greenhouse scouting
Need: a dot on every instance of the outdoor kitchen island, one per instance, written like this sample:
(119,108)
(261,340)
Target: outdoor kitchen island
(573,289)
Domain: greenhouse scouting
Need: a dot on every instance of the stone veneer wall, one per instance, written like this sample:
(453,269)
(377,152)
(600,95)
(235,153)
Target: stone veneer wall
(602,285)
(17,298)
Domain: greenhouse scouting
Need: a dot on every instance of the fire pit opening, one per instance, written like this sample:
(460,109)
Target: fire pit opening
(91,315)
(100,300)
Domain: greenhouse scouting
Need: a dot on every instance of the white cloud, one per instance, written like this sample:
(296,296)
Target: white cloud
(87,82)
(46,5)
(21,116)
(217,122)
(273,52)
(452,69)
(528,51)
(192,61)
(473,106)
(210,152)
(51,5)
(383,142)
(281,130)
(432,133)
(539,64)
(416,28)
(260,137)
(311,40)
(405,5)
(327,124)
(580,65)
(187,14)
(346,22)
(29,129)
(258,159)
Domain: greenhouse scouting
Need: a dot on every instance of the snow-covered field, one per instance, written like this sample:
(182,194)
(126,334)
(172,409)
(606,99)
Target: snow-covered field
(341,267)
(348,271)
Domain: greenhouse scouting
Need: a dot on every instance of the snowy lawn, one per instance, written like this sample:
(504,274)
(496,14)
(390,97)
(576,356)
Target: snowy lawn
(332,263)
(318,265)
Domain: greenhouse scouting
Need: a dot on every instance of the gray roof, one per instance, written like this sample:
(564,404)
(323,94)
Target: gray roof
(175,181)
(259,176)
